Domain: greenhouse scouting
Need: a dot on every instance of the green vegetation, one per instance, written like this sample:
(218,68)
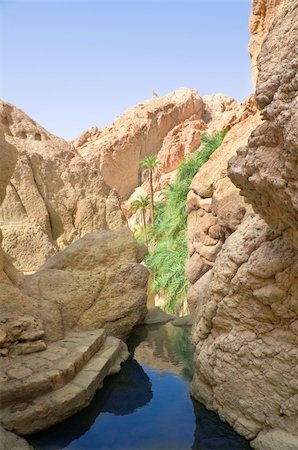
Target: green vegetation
(151,163)
(142,203)
(168,235)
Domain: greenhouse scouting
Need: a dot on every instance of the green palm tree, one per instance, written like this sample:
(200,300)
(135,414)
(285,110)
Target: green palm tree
(142,203)
(151,163)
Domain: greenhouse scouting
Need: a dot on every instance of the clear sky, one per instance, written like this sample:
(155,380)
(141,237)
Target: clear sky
(71,65)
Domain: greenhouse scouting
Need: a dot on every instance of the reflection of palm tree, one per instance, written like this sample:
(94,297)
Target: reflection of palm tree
(142,203)
(151,163)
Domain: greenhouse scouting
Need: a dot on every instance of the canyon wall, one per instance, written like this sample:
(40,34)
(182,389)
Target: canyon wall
(246,328)
(53,198)
(117,150)
(262,16)
(218,112)
(97,282)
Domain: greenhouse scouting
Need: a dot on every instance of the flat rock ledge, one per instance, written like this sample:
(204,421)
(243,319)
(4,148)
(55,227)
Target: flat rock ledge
(38,391)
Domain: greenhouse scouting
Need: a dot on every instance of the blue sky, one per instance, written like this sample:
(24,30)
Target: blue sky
(71,65)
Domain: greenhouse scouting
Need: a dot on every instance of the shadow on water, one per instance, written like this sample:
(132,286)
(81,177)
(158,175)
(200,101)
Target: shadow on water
(119,396)
(147,405)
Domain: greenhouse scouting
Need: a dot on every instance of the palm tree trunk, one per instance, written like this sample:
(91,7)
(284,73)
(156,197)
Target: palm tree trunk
(144,223)
(151,196)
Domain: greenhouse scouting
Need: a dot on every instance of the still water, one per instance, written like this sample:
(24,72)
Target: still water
(147,405)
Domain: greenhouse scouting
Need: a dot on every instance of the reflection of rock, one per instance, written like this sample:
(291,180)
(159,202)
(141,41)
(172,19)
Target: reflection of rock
(164,348)
(156,315)
(212,434)
(121,394)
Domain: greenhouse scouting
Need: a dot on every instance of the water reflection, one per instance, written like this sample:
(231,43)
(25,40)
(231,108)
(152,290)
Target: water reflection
(164,348)
(212,434)
(147,405)
(119,396)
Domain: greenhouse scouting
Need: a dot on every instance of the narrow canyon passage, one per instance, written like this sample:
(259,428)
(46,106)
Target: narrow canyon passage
(147,405)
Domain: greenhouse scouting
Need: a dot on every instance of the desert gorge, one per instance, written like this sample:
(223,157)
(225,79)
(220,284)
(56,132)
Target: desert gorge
(149,268)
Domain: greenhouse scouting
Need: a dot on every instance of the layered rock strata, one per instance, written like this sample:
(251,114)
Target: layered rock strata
(246,333)
(38,392)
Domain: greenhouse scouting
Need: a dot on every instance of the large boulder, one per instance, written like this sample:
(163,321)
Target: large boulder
(96,282)
(54,197)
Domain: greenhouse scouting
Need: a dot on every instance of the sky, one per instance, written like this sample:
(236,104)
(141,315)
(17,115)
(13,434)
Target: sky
(73,64)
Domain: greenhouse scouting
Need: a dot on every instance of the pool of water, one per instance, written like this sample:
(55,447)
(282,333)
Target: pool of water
(147,405)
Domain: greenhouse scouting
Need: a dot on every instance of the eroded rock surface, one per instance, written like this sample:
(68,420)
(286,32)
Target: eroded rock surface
(262,15)
(215,208)
(54,197)
(96,282)
(219,112)
(117,150)
(245,331)
(266,169)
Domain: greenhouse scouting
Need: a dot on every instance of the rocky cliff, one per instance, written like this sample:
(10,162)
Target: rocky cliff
(245,333)
(54,197)
(262,16)
(217,112)
(117,150)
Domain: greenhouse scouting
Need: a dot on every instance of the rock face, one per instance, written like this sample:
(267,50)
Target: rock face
(266,169)
(219,112)
(96,282)
(262,16)
(118,150)
(214,207)
(245,331)
(93,288)
(54,197)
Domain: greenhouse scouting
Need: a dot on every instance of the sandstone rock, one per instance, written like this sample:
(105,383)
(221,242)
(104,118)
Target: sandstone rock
(117,150)
(10,441)
(95,282)
(180,141)
(98,281)
(38,395)
(54,196)
(222,112)
(275,440)
(243,342)
(214,206)
(219,112)
(245,331)
(266,169)
(262,15)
